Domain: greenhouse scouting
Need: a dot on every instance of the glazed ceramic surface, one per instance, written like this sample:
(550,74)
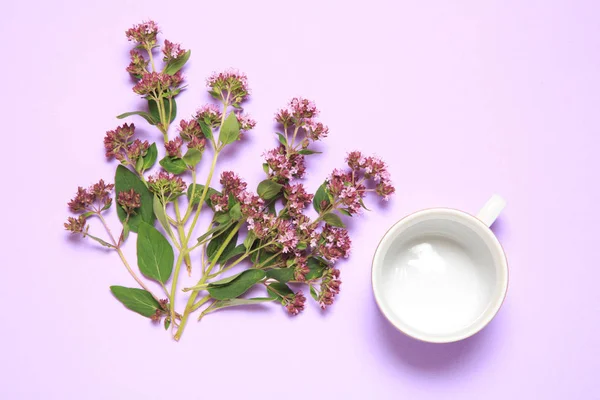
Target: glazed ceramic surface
(440,275)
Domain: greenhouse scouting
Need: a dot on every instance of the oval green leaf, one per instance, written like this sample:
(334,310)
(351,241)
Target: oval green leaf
(192,157)
(147,116)
(176,64)
(150,157)
(155,254)
(237,286)
(333,220)
(320,196)
(126,180)
(230,131)
(268,189)
(173,165)
(137,300)
(282,275)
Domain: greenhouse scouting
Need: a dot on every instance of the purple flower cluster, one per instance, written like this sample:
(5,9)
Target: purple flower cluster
(283,166)
(246,122)
(130,200)
(144,34)
(157,83)
(210,114)
(301,113)
(333,243)
(118,144)
(138,65)
(173,147)
(167,186)
(372,168)
(330,287)
(172,51)
(297,198)
(230,85)
(191,132)
(94,199)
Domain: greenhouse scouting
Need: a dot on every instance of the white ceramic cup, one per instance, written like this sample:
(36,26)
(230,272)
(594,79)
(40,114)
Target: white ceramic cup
(440,275)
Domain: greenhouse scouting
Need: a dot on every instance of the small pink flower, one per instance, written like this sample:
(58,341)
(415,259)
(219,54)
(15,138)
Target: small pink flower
(229,84)
(334,243)
(166,185)
(294,304)
(173,147)
(144,33)
(246,122)
(172,51)
(210,114)
(330,287)
(138,65)
(93,199)
(75,225)
(130,200)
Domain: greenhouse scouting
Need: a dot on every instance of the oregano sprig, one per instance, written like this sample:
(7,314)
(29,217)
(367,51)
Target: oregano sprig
(283,252)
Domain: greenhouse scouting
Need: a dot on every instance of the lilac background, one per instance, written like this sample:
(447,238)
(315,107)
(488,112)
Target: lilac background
(462,98)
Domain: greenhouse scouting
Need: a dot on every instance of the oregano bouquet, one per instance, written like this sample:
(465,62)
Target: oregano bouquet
(283,249)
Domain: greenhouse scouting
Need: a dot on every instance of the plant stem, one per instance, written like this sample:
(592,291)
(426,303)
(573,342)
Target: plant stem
(120,252)
(181,232)
(149,50)
(199,303)
(192,299)
(190,207)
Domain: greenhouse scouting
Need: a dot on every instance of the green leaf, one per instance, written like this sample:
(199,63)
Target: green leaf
(230,131)
(345,212)
(238,286)
(137,300)
(235,212)
(222,218)
(333,220)
(176,64)
(167,323)
(198,194)
(282,139)
(279,290)
(249,241)
(147,116)
(313,293)
(240,302)
(363,205)
(320,196)
(159,211)
(266,168)
(139,164)
(150,157)
(173,165)
(126,230)
(307,152)
(207,130)
(215,244)
(224,281)
(316,269)
(236,251)
(126,180)
(282,275)
(192,157)
(268,189)
(155,254)
(212,232)
(153,107)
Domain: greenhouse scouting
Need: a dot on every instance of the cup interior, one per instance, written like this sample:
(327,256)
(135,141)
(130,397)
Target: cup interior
(439,275)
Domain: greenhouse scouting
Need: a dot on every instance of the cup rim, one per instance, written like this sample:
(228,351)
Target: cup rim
(477,326)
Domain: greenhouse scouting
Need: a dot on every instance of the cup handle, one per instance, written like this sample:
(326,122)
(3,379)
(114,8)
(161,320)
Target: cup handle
(491,210)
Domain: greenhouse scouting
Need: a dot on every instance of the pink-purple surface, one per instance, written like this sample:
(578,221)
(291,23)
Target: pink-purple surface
(462,98)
